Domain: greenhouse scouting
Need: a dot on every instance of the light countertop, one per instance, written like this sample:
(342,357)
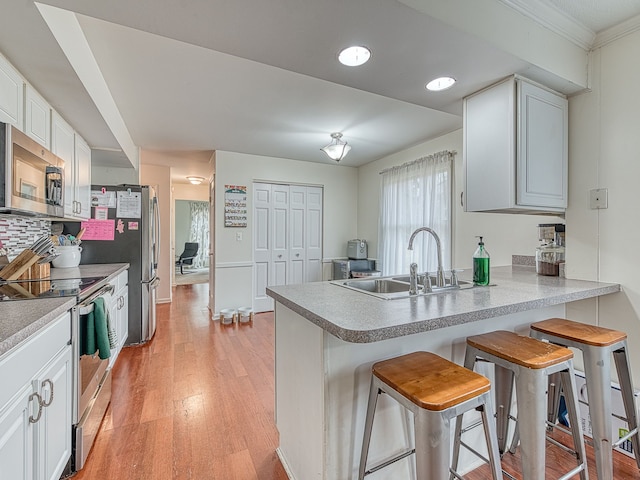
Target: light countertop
(20,319)
(360,318)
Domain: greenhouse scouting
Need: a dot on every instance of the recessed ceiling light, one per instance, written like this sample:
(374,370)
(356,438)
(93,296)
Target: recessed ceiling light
(441,83)
(354,56)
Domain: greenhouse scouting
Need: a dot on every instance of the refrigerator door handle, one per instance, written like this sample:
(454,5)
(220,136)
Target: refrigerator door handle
(156,231)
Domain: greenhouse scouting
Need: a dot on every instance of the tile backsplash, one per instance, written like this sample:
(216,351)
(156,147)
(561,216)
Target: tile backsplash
(17,233)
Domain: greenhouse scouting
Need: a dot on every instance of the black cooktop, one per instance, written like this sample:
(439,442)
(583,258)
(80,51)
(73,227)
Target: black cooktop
(33,289)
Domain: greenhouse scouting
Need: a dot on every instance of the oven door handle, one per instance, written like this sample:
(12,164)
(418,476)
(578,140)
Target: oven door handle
(86,306)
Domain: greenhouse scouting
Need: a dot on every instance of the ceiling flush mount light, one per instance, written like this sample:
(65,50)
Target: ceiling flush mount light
(195,180)
(441,83)
(337,149)
(354,56)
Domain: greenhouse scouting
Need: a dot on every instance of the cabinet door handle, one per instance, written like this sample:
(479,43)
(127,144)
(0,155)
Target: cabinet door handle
(37,418)
(297,254)
(462,199)
(279,256)
(43,402)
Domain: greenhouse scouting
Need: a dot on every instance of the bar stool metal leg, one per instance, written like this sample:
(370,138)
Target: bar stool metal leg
(597,369)
(374,391)
(624,371)
(432,444)
(532,412)
(488,422)
(504,396)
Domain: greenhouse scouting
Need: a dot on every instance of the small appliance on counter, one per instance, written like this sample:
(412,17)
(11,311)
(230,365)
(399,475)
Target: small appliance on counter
(550,254)
(357,249)
(343,269)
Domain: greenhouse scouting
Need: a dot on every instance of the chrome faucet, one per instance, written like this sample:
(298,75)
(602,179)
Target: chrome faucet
(413,275)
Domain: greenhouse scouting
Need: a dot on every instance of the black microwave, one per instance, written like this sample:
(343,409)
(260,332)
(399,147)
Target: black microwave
(31,177)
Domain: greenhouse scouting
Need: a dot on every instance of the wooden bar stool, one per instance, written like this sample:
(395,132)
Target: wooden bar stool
(598,344)
(436,391)
(530,362)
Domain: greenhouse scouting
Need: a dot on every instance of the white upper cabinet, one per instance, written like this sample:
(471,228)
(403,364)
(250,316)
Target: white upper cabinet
(516,149)
(75,152)
(63,145)
(37,117)
(83,178)
(11,94)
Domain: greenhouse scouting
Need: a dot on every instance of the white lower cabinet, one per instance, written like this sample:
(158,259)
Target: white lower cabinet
(120,312)
(35,406)
(16,438)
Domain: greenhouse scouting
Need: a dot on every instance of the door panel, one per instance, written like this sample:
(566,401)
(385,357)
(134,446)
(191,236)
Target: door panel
(297,214)
(261,247)
(313,234)
(279,230)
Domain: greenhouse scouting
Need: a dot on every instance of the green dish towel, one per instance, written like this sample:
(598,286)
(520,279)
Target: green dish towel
(96,333)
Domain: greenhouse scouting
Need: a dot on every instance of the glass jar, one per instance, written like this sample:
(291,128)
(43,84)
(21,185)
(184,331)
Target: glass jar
(548,259)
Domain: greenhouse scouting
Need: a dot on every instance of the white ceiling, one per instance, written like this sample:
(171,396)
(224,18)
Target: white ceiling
(261,76)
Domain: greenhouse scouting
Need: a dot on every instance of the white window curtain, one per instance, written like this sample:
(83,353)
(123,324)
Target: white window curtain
(199,232)
(415,194)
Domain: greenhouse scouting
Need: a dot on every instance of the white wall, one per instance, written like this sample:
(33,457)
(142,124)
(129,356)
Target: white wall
(234,258)
(504,234)
(604,144)
(114,176)
(187,191)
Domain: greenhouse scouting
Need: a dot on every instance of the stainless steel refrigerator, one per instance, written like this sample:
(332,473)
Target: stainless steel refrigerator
(132,211)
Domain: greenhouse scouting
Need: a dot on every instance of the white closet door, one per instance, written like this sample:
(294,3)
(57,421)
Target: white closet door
(287,238)
(261,245)
(297,216)
(313,234)
(279,233)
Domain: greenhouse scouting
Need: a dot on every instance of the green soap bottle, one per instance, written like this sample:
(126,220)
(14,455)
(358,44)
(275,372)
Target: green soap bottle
(481,265)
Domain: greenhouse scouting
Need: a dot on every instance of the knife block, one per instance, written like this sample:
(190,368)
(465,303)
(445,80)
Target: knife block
(19,265)
(37,272)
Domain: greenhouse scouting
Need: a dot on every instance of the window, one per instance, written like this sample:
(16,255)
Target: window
(414,195)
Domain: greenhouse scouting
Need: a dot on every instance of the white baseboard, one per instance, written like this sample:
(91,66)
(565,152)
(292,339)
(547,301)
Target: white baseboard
(285,465)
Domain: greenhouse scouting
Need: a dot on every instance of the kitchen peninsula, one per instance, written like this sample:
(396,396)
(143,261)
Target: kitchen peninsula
(328,336)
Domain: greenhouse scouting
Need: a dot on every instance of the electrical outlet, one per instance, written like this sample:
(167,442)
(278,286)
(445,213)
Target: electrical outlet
(598,198)
(238,236)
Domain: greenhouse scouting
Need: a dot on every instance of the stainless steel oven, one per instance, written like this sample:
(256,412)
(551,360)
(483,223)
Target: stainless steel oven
(92,382)
(31,177)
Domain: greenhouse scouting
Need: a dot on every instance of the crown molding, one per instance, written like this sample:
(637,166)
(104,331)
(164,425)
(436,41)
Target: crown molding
(555,20)
(618,31)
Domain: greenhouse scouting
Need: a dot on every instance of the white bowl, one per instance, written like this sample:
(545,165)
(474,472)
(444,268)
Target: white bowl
(245,314)
(227,315)
(69,256)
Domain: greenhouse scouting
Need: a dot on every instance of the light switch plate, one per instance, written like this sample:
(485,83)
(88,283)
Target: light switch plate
(598,198)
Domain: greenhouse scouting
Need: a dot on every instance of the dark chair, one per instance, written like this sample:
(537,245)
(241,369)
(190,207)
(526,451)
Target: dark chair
(186,257)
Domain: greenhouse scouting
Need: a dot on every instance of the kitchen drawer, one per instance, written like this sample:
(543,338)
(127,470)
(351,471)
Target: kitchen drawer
(20,364)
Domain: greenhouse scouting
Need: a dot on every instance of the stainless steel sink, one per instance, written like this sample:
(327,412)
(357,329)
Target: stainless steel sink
(392,288)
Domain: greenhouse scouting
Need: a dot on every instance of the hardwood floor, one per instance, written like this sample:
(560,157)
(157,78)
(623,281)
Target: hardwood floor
(197,402)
